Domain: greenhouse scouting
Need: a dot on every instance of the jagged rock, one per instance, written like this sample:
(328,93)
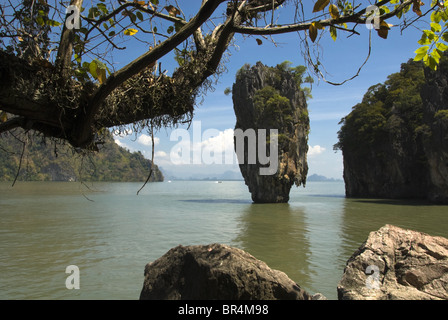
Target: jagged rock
(395,142)
(270,98)
(435,98)
(401,265)
(214,272)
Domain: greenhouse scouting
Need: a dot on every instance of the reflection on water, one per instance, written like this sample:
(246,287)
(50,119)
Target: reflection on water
(277,235)
(45,227)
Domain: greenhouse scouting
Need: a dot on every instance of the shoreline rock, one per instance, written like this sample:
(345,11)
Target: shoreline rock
(392,264)
(400,265)
(215,272)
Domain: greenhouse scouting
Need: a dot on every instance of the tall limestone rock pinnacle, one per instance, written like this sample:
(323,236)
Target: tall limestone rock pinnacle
(269,100)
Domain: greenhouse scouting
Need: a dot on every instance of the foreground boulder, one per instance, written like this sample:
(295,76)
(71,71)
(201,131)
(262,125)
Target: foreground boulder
(216,272)
(400,265)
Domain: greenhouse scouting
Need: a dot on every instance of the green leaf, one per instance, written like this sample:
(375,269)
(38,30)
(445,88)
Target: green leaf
(333,33)
(313,31)
(92,69)
(101,75)
(100,64)
(103,8)
(52,23)
(441,46)
(40,21)
(445,36)
(430,34)
(422,49)
(170,29)
(320,5)
(421,56)
(432,63)
(436,27)
(139,15)
(334,12)
(436,55)
(436,16)
(130,32)
(424,40)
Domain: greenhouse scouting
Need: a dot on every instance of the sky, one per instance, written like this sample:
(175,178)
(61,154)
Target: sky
(214,118)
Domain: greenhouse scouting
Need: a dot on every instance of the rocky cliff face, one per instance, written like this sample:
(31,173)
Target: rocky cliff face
(270,98)
(395,142)
(435,99)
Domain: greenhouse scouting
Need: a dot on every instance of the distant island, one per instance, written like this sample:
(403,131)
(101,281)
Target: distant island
(47,161)
(316,177)
(228,175)
(236,176)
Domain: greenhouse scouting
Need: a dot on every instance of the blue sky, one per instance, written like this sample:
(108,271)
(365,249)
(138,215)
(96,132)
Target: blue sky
(329,104)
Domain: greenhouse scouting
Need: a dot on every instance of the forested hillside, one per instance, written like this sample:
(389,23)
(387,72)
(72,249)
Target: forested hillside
(47,161)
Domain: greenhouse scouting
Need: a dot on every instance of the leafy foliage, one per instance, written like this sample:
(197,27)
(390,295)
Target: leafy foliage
(386,111)
(271,106)
(434,40)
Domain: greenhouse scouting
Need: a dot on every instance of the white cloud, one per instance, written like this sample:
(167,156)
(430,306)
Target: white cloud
(146,140)
(219,141)
(121,144)
(212,147)
(160,154)
(315,150)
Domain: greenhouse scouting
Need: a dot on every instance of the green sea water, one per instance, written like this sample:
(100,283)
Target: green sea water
(110,233)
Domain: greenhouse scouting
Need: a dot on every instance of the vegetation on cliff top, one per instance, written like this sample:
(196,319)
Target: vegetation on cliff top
(387,110)
(45,161)
(273,109)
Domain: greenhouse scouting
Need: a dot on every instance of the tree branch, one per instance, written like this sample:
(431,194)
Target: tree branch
(124,6)
(11,124)
(82,133)
(354,18)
